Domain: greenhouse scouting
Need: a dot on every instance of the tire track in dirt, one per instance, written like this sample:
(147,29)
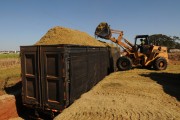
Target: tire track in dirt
(121,96)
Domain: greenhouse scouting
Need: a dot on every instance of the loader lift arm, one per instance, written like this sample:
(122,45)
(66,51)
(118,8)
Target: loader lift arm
(119,40)
(103,31)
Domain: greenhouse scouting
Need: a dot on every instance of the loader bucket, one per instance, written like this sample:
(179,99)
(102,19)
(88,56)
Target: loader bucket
(103,31)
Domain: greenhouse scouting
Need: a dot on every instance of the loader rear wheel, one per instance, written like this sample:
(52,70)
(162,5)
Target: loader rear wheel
(160,64)
(124,63)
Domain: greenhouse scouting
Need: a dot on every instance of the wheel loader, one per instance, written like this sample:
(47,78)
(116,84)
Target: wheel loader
(146,54)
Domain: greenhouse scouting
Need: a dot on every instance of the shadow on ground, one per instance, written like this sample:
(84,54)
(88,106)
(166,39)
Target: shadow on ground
(23,112)
(16,91)
(169,81)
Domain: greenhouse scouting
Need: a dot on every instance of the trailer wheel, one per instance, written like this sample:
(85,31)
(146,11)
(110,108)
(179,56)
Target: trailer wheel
(124,63)
(160,64)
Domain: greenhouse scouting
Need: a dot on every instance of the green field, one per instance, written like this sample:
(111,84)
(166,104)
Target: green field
(2,56)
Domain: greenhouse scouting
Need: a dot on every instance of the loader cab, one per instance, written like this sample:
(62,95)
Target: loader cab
(144,37)
(142,43)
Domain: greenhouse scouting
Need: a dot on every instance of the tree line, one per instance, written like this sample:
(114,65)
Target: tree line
(164,40)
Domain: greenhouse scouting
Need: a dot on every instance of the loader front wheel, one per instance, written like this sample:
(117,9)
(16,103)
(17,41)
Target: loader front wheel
(124,63)
(160,64)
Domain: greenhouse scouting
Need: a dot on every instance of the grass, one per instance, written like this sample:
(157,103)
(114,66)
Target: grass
(9,76)
(3,56)
(9,62)
(9,70)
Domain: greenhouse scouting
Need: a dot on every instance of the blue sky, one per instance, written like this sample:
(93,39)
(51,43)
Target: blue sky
(23,22)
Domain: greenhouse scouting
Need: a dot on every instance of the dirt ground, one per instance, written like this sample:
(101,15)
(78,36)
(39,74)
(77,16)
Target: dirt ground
(134,94)
(8,107)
